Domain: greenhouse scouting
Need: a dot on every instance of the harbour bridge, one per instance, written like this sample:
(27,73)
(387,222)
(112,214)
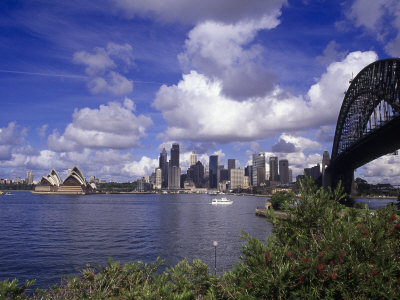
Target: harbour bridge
(368,125)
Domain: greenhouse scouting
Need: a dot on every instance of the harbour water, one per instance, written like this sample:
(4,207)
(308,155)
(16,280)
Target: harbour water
(47,237)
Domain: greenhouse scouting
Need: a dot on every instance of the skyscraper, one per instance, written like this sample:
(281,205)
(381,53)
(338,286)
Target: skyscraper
(284,171)
(193,159)
(174,172)
(325,161)
(273,168)
(29,177)
(258,168)
(163,165)
(237,178)
(158,181)
(174,162)
(231,165)
(213,171)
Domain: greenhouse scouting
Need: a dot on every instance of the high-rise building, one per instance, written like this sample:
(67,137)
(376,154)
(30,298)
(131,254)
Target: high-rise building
(273,168)
(174,178)
(174,162)
(198,174)
(29,177)
(284,171)
(290,176)
(313,172)
(231,165)
(223,174)
(174,172)
(237,178)
(193,158)
(248,171)
(325,161)
(163,165)
(158,183)
(258,168)
(213,171)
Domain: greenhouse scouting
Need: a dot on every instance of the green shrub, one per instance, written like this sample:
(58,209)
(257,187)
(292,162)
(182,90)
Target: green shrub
(279,199)
(322,251)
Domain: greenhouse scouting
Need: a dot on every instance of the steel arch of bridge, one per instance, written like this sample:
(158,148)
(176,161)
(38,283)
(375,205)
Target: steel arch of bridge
(373,96)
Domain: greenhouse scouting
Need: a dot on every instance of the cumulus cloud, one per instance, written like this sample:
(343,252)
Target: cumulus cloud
(10,137)
(101,67)
(113,126)
(143,167)
(225,51)
(283,147)
(382,169)
(381,18)
(196,109)
(193,12)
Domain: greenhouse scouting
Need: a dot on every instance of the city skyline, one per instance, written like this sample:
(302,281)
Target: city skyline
(107,86)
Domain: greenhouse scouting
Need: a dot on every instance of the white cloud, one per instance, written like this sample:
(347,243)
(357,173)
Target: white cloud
(197,110)
(381,18)
(10,138)
(101,67)
(145,166)
(192,11)
(225,51)
(382,169)
(113,126)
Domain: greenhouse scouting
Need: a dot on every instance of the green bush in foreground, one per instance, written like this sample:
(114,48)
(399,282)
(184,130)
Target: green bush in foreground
(321,250)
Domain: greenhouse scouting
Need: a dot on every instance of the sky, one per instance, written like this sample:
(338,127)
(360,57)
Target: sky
(106,84)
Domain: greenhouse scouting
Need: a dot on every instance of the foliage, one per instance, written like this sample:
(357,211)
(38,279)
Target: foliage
(12,290)
(17,187)
(280,198)
(321,250)
(116,187)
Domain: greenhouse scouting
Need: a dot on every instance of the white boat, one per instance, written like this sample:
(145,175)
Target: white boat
(223,200)
(1,193)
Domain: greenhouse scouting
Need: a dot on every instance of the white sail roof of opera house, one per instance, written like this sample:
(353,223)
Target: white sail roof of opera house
(77,175)
(52,178)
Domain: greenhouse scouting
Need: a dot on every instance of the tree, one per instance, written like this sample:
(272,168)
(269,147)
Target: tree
(280,198)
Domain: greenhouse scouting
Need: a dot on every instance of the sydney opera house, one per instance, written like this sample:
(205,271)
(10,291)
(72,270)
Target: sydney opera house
(74,184)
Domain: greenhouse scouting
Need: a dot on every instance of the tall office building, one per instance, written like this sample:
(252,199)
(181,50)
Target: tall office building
(258,169)
(174,178)
(284,171)
(29,177)
(158,181)
(213,171)
(193,159)
(290,176)
(231,165)
(273,168)
(174,155)
(174,172)
(163,165)
(325,161)
(237,178)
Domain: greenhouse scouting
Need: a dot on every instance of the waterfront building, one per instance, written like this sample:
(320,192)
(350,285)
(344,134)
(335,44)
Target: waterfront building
(158,181)
(75,183)
(213,171)
(237,178)
(248,171)
(223,174)
(273,168)
(196,173)
(29,177)
(193,159)
(163,165)
(174,178)
(284,171)
(258,169)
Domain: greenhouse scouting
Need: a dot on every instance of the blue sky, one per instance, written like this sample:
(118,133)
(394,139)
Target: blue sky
(106,84)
